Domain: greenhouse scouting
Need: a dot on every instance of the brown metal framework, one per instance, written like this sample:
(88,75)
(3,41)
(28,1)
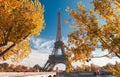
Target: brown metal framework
(54,58)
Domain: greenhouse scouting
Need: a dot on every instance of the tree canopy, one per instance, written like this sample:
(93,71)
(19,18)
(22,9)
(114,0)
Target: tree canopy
(19,21)
(93,28)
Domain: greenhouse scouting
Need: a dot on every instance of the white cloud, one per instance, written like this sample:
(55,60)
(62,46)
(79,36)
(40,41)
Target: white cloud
(35,58)
(103,61)
(99,52)
(42,45)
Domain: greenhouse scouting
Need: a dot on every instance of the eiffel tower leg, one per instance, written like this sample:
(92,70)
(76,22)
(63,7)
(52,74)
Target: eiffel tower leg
(46,65)
(51,67)
(66,67)
(55,51)
(63,51)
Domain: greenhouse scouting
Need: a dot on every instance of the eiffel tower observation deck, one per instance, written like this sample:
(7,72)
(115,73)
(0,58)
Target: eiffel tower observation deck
(54,58)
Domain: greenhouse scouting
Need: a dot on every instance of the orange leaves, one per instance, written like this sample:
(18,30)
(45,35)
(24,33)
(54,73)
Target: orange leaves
(21,51)
(12,66)
(1,0)
(79,48)
(75,15)
(19,19)
(91,12)
(94,27)
(117,5)
(73,27)
(105,8)
(7,55)
(116,70)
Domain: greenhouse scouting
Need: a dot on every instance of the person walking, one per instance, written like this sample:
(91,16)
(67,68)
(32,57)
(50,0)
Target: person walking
(97,72)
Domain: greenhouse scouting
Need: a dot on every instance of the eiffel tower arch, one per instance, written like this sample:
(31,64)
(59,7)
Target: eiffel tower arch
(54,58)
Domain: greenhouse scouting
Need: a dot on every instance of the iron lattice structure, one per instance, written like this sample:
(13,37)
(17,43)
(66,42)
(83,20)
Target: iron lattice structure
(54,58)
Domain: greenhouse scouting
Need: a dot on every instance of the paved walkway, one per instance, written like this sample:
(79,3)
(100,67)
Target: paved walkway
(27,74)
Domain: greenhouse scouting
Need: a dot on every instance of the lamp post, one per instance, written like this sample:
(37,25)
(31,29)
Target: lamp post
(57,71)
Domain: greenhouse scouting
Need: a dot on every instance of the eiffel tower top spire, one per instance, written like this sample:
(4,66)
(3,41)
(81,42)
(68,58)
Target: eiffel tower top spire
(59,34)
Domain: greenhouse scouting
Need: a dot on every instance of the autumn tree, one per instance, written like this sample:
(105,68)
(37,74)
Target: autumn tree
(19,21)
(93,28)
(116,70)
(12,66)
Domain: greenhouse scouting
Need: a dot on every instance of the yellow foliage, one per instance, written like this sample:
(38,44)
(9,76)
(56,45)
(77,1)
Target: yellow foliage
(73,27)
(117,5)
(116,70)
(12,66)
(66,21)
(19,19)
(99,26)
(24,51)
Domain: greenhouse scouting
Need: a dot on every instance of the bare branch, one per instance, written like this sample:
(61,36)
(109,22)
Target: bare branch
(118,55)
(101,56)
(104,42)
(7,50)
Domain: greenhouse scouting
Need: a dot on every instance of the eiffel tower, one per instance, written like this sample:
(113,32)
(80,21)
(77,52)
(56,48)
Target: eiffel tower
(54,58)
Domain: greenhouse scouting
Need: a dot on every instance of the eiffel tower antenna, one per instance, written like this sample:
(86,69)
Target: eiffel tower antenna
(59,33)
(54,58)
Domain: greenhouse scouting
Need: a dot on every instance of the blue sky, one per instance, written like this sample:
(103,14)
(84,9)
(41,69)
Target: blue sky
(51,9)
